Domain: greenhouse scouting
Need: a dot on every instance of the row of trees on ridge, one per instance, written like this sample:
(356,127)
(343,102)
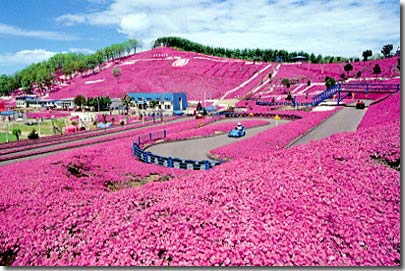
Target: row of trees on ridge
(43,74)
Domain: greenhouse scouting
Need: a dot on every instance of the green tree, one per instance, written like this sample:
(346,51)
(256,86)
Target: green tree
(116,73)
(286,82)
(33,134)
(329,82)
(126,100)
(154,103)
(377,70)
(79,100)
(17,132)
(386,50)
(6,85)
(57,125)
(366,54)
(342,76)
(348,68)
(104,101)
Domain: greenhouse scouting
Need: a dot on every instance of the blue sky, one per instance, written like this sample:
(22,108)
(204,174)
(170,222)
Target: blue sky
(34,30)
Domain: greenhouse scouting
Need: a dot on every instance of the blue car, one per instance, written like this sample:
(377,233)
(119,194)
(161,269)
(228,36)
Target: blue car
(238,131)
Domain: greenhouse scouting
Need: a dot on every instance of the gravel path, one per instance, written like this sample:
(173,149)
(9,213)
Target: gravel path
(197,149)
(345,120)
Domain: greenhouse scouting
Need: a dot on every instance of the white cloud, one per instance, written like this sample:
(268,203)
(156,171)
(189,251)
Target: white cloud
(85,51)
(345,27)
(98,1)
(134,23)
(71,19)
(26,57)
(10,30)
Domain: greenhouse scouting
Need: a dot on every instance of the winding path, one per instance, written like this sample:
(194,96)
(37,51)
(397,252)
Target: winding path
(345,120)
(197,149)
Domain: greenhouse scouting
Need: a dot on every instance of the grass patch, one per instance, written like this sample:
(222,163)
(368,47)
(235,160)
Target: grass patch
(44,127)
(11,137)
(8,256)
(135,181)
(77,169)
(392,164)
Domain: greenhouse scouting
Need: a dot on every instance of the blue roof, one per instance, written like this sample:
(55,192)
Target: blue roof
(210,108)
(102,125)
(154,95)
(7,113)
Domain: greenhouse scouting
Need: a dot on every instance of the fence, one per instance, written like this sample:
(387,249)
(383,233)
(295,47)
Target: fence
(293,103)
(337,89)
(371,88)
(171,162)
(262,114)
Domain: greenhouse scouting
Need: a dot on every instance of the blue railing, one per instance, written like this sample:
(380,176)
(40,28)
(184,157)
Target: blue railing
(171,162)
(293,103)
(337,89)
(262,114)
(391,88)
(326,94)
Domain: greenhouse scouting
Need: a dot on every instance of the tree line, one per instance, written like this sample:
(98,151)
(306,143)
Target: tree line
(43,74)
(267,55)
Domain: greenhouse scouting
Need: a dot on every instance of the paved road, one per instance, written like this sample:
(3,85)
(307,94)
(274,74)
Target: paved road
(345,120)
(197,149)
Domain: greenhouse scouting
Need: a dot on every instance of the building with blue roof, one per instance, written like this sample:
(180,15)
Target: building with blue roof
(175,101)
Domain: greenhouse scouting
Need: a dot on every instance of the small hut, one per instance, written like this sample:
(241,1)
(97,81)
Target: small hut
(299,59)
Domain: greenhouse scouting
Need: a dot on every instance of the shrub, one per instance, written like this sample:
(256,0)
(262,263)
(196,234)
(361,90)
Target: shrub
(17,132)
(33,135)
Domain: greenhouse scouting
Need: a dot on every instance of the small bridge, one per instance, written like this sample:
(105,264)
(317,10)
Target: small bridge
(344,90)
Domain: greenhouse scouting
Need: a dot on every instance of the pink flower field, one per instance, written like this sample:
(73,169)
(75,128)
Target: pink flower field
(165,69)
(332,202)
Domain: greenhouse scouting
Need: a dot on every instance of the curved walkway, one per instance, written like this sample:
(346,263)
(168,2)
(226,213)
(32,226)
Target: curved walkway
(198,149)
(345,120)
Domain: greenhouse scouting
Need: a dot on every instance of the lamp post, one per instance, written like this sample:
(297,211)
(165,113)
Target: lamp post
(39,126)
(7,120)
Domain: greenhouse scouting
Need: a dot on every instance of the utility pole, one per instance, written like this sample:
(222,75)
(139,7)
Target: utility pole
(7,119)
(39,127)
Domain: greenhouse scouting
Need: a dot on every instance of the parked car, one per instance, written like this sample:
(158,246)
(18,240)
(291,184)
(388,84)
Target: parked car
(360,105)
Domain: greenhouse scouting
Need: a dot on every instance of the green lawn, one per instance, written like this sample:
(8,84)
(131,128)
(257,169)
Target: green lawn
(45,128)
(11,137)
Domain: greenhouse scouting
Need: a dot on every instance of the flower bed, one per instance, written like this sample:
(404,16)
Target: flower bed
(326,203)
(325,211)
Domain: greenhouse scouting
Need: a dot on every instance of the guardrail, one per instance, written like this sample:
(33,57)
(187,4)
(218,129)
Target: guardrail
(171,162)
